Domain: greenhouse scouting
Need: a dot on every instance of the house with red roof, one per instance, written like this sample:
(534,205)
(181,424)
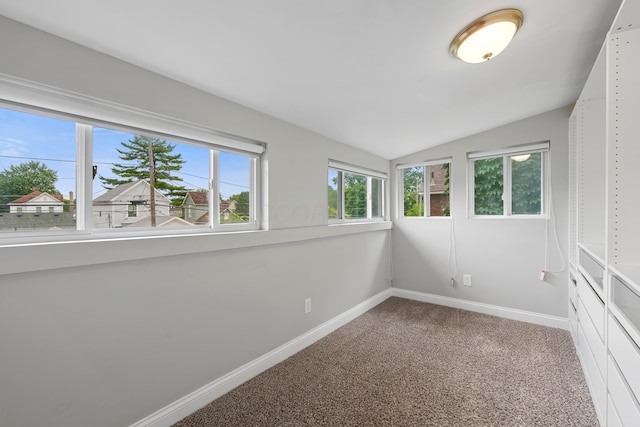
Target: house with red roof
(37,202)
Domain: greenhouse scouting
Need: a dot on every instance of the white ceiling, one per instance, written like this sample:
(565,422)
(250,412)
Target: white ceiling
(375,74)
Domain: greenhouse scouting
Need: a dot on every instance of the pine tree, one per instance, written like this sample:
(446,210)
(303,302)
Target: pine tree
(136,153)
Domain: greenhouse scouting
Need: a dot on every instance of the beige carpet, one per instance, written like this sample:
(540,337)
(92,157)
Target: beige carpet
(406,363)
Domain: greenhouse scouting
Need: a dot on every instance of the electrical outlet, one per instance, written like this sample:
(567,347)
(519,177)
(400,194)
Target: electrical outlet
(307,306)
(466,280)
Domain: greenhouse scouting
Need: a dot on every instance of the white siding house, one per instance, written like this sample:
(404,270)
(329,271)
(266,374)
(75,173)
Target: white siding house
(127,203)
(37,202)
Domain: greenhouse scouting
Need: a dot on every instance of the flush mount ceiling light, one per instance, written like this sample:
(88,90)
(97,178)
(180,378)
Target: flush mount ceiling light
(487,36)
(521,157)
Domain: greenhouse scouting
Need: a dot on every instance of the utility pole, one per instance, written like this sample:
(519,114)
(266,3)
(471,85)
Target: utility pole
(152,185)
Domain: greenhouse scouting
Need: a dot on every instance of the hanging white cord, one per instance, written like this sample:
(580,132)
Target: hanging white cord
(552,217)
(452,254)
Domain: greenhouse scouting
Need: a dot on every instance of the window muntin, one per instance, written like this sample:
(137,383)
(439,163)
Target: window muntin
(425,189)
(509,183)
(355,194)
(190,169)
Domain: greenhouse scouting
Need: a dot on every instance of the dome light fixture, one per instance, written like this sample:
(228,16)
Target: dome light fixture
(521,157)
(487,36)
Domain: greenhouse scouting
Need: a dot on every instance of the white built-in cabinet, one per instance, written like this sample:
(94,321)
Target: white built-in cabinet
(604,208)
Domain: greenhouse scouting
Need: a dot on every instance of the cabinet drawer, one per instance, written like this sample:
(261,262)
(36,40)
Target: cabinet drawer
(626,355)
(595,343)
(625,404)
(573,319)
(573,291)
(596,384)
(613,419)
(593,305)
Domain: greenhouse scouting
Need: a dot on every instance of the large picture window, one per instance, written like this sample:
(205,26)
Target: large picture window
(61,175)
(355,194)
(509,182)
(424,189)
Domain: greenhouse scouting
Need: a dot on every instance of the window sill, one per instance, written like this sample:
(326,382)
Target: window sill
(18,258)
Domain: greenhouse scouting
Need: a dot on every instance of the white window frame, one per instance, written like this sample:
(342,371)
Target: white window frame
(426,178)
(506,153)
(86,112)
(370,174)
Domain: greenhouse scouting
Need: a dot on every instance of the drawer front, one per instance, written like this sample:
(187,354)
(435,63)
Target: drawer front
(626,355)
(596,345)
(625,404)
(596,384)
(573,293)
(613,419)
(593,305)
(573,319)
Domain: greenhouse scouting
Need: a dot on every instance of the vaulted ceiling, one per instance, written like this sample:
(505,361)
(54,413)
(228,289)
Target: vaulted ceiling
(375,74)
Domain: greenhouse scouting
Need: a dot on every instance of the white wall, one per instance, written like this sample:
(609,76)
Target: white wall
(504,256)
(104,333)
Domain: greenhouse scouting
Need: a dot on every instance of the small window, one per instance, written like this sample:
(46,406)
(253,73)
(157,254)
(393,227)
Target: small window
(508,183)
(425,189)
(355,194)
(132,211)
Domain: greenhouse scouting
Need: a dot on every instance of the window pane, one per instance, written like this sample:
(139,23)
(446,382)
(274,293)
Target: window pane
(526,183)
(439,190)
(376,198)
(355,196)
(488,186)
(37,173)
(413,184)
(235,188)
(333,196)
(122,191)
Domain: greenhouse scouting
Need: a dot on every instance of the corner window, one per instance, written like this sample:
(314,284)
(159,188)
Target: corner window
(354,193)
(97,178)
(425,189)
(508,182)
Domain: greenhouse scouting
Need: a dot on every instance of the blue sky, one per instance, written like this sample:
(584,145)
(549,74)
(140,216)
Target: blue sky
(26,137)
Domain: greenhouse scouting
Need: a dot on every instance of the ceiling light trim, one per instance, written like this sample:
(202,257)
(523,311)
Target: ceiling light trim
(513,16)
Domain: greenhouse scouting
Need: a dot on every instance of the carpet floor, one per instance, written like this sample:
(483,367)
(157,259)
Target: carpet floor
(407,363)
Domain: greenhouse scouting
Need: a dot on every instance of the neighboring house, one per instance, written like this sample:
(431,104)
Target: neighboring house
(37,202)
(227,209)
(127,203)
(195,205)
(195,208)
(438,195)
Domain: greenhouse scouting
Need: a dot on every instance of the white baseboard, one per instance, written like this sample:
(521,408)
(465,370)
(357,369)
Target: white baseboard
(185,406)
(494,310)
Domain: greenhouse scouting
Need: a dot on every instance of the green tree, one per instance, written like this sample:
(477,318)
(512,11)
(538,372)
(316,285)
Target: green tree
(413,200)
(19,180)
(136,153)
(488,186)
(526,186)
(333,201)
(446,209)
(355,196)
(241,205)
(526,183)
